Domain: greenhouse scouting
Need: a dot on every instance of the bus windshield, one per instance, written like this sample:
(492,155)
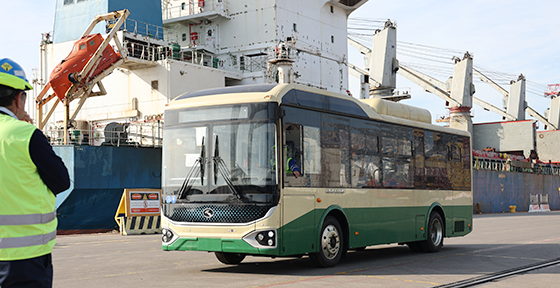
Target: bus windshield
(221,161)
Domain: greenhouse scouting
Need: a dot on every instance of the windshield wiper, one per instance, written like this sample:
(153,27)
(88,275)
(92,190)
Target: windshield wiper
(187,185)
(220,167)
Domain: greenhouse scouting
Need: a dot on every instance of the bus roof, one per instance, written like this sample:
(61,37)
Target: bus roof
(373,108)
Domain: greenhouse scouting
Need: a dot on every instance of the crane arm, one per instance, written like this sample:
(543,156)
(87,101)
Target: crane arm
(539,117)
(494,85)
(428,83)
(357,72)
(490,107)
(362,48)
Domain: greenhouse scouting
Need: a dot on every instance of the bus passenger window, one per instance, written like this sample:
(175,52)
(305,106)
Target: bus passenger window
(389,150)
(365,160)
(456,153)
(293,152)
(405,164)
(312,155)
(345,158)
(418,159)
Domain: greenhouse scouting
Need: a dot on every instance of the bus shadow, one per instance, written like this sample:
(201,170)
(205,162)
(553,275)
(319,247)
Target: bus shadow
(399,260)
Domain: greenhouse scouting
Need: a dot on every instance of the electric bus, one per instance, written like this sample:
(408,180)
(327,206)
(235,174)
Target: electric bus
(370,172)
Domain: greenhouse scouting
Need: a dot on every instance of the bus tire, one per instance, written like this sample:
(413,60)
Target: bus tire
(435,234)
(331,244)
(230,258)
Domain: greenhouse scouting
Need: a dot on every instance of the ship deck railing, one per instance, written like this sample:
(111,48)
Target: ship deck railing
(150,30)
(507,165)
(149,52)
(148,42)
(143,133)
(195,7)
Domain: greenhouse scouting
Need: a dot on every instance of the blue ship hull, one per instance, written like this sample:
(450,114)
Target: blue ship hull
(99,175)
(495,191)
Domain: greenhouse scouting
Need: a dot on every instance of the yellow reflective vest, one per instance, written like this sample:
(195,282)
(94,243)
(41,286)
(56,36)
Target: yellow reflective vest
(27,206)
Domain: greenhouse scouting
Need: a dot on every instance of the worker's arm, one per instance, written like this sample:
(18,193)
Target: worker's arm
(293,167)
(52,170)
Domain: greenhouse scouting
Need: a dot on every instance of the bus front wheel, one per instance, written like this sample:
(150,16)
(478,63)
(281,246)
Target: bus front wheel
(435,234)
(331,244)
(230,258)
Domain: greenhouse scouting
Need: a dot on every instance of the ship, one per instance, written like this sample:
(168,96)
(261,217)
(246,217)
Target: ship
(112,141)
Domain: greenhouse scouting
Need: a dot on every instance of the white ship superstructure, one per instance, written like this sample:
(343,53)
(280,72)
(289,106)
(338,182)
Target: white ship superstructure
(200,44)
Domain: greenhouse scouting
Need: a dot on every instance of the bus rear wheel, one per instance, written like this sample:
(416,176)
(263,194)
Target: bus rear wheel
(230,258)
(435,234)
(331,244)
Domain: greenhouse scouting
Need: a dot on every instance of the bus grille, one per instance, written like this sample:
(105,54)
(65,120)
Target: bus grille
(221,213)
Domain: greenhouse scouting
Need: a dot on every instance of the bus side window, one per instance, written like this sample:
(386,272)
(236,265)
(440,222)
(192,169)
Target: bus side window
(456,152)
(312,155)
(389,150)
(374,171)
(294,145)
(418,156)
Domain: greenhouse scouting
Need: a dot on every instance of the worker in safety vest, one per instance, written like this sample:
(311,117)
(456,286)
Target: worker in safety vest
(31,174)
(291,165)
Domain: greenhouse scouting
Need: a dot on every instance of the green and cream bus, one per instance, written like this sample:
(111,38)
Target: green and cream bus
(371,172)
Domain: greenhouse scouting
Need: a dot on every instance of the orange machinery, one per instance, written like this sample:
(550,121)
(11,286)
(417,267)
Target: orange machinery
(91,59)
(63,75)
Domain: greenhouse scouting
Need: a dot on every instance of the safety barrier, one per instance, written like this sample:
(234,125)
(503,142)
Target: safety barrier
(539,203)
(139,211)
(137,225)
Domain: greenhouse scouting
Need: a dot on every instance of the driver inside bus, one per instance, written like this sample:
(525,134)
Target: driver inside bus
(291,165)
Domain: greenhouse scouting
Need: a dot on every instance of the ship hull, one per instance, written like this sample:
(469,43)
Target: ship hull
(99,175)
(496,191)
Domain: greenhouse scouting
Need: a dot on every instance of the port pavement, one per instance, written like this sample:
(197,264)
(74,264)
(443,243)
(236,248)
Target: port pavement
(499,242)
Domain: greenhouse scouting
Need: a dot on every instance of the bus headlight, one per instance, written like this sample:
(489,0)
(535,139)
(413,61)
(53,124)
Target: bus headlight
(262,239)
(167,235)
(266,238)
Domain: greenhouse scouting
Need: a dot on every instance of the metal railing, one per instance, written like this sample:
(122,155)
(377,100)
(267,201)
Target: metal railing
(151,52)
(146,52)
(154,53)
(193,7)
(146,133)
(254,63)
(145,49)
(199,58)
(150,30)
(507,165)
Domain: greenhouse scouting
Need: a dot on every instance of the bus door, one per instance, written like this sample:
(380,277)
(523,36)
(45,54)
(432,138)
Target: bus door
(298,201)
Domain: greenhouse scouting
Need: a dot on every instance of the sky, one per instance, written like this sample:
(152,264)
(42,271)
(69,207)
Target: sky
(510,37)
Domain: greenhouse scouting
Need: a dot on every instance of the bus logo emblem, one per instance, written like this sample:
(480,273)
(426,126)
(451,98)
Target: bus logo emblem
(208,213)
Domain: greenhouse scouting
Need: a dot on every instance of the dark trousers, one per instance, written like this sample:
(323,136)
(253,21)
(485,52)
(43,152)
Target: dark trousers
(34,272)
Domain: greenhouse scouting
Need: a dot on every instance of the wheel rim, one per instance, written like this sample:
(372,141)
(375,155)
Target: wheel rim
(330,242)
(437,232)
